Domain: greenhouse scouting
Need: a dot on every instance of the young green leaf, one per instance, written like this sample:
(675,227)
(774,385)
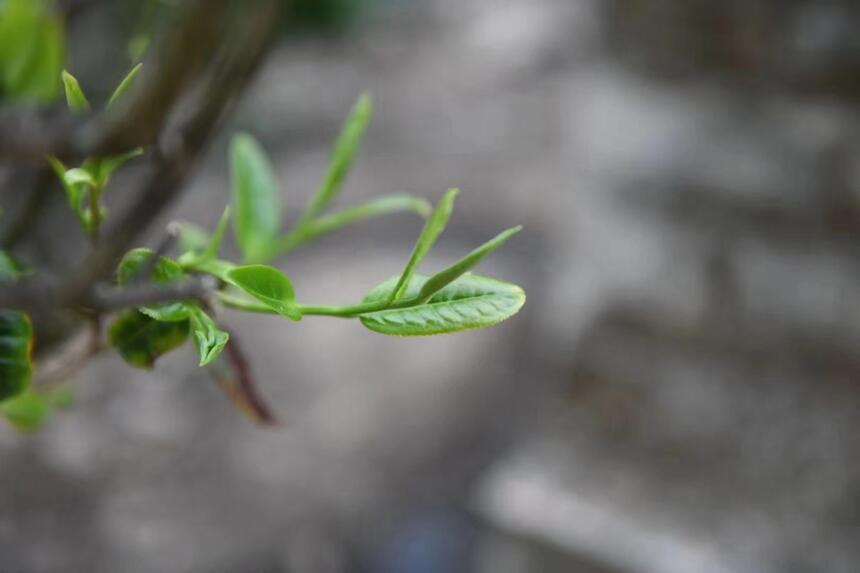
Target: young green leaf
(432,229)
(211,251)
(108,165)
(74,94)
(32,50)
(16,346)
(75,194)
(268,285)
(373,208)
(208,338)
(141,340)
(455,271)
(79,176)
(471,301)
(345,149)
(124,85)
(193,240)
(255,198)
(163,271)
(26,411)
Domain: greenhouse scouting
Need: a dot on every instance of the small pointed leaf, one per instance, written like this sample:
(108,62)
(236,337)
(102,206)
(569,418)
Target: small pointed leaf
(452,273)
(268,285)
(141,340)
(255,198)
(469,302)
(345,149)
(208,338)
(124,85)
(74,94)
(432,229)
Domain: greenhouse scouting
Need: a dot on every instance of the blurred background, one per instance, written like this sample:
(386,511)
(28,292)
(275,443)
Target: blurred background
(680,394)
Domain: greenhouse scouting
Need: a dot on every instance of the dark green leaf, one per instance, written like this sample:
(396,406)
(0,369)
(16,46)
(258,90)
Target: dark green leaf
(124,85)
(432,229)
(471,301)
(16,345)
(208,338)
(74,94)
(268,285)
(344,152)
(452,273)
(255,199)
(141,340)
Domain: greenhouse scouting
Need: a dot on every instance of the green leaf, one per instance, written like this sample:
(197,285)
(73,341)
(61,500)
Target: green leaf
(31,51)
(215,267)
(141,340)
(268,285)
(371,209)
(10,269)
(214,245)
(26,411)
(432,229)
(110,164)
(74,94)
(255,198)
(472,301)
(193,240)
(75,194)
(452,273)
(79,176)
(345,149)
(164,271)
(208,338)
(124,85)
(16,346)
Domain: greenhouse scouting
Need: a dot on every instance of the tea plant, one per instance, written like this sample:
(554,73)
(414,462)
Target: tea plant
(160,302)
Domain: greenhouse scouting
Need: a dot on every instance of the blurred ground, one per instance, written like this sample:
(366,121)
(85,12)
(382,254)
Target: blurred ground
(680,393)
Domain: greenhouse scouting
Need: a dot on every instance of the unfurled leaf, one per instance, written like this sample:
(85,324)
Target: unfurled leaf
(344,152)
(432,229)
(141,340)
(124,85)
(32,51)
(163,271)
(208,338)
(471,301)
(269,286)
(215,267)
(256,204)
(452,273)
(16,345)
(75,97)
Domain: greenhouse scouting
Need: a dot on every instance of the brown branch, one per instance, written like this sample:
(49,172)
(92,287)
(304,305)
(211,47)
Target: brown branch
(37,295)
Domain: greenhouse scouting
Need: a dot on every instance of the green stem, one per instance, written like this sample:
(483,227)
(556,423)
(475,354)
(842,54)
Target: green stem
(241,303)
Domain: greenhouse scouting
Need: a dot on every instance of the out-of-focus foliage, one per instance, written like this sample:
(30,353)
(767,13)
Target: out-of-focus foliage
(32,51)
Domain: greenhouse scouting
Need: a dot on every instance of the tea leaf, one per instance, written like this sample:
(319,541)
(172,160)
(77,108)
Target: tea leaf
(255,198)
(469,302)
(269,286)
